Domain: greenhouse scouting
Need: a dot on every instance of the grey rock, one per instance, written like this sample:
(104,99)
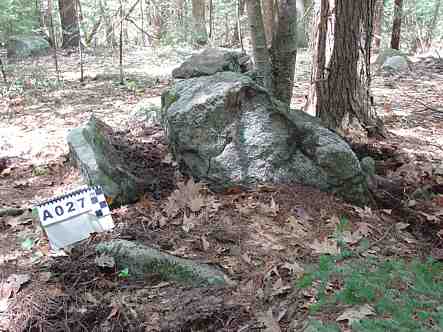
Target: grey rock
(25,46)
(141,259)
(396,63)
(92,151)
(226,130)
(147,110)
(386,53)
(211,61)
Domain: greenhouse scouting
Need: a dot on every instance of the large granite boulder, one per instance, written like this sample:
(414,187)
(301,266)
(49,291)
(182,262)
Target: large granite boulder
(226,130)
(93,150)
(211,61)
(25,46)
(386,53)
(396,63)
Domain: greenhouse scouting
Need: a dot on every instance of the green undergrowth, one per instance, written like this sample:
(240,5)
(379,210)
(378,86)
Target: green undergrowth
(405,296)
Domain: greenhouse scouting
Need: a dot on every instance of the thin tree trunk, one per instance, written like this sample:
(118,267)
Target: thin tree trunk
(433,24)
(259,46)
(284,51)
(268,19)
(54,47)
(396,24)
(198,15)
(180,6)
(211,23)
(68,17)
(122,78)
(142,23)
(80,45)
(2,67)
(378,22)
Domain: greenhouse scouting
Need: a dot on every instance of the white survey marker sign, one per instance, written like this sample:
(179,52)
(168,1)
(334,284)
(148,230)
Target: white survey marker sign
(73,216)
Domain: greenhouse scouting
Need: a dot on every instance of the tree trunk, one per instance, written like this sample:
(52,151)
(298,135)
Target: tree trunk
(211,19)
(432,25)
(109,29)
(180,6)
(341,76)
(378,23)
(396,24)
(198,15)
(259,46)
(70,26)
(268,19)
(284,51)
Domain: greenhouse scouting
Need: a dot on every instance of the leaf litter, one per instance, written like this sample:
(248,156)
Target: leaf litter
(263,227)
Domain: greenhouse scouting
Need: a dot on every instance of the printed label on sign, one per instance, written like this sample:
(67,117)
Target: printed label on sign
(64,208)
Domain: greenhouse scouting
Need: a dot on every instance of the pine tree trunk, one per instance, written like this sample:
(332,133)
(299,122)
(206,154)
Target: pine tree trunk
(70,26)
(396,24)
(284,51)
(198,15)
(259,46)
(268,19)
(341,77)
(378,22)
(433,24)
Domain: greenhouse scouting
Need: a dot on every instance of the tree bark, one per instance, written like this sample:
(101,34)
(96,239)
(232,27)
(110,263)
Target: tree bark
(284,51)
(433,24)
(341,77)
(396,24)
(198,15)
(180,6)
(69,21)
(378,22)
(259,46)
(268,19)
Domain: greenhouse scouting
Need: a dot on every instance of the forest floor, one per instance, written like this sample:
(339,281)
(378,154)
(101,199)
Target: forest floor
(296,255)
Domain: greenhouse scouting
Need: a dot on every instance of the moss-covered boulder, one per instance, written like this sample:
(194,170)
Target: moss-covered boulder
(25,46)
(228,131)
(140,260)
(92,150)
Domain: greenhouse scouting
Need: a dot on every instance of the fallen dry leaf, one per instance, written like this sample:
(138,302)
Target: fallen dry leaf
(364,228)
(267,318)
(328,246)
(297,227)
(354,314)
(351,238)
(188,222)
(205,243)
(115,310)
(401,225)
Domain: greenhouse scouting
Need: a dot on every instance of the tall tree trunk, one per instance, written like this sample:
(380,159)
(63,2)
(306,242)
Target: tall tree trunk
(45,20)
(142,24)
(211,19)
(268,19)
(180,6)
(198,15)
(433,24)
(284,51)
(109,29)
(378,23)
(69,21)
(396,24)
(259,46)
(341,77)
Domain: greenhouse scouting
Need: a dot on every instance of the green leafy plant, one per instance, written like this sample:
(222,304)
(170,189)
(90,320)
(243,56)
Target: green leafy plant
(124,273)
(406,296)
